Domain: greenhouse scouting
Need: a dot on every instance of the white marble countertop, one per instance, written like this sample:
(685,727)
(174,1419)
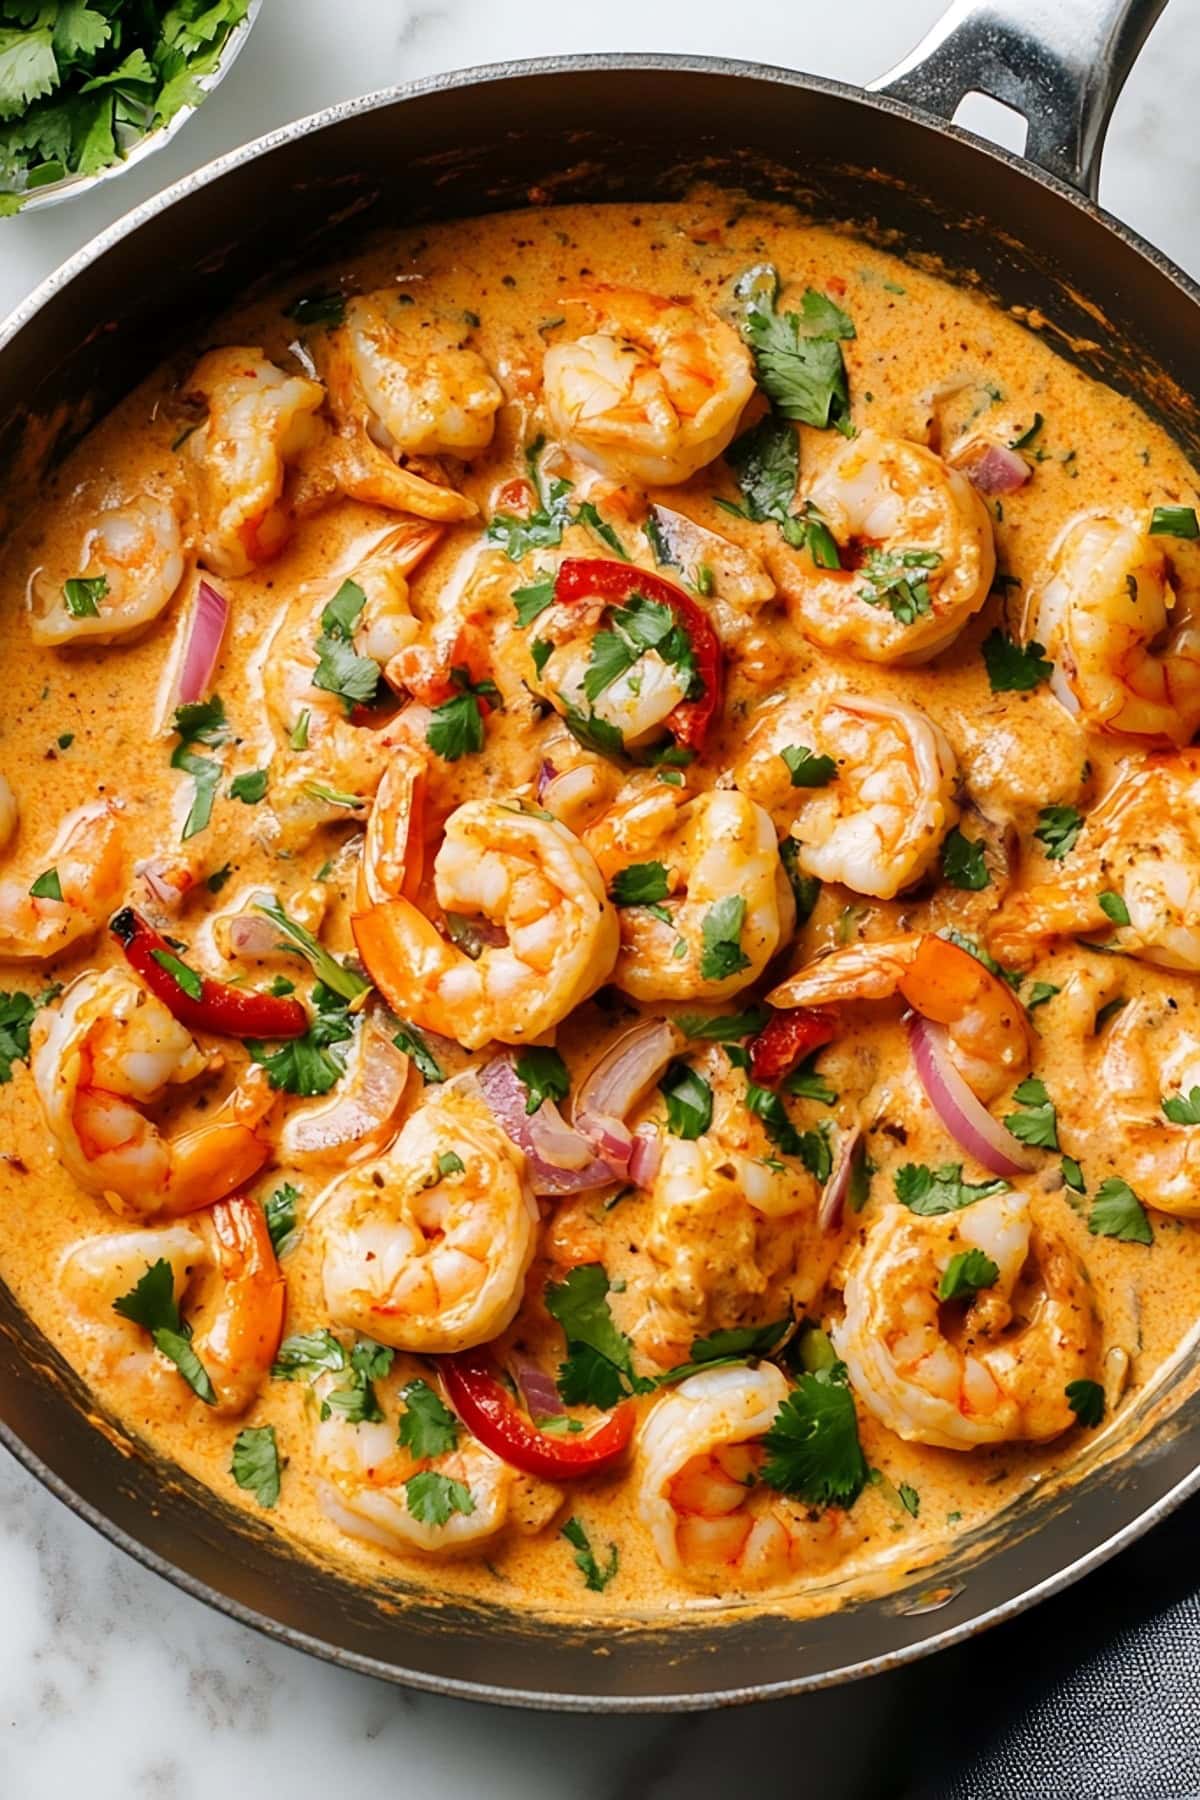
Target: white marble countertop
(111,1682)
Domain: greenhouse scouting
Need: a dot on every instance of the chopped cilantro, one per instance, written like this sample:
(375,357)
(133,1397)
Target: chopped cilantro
(1039,993)
(1113,906)
(964,864)
(813,1450)
(340,670)
(530,602)
(1086,1401)
(689,1100)
(199,722)
(543,528)
(1057,829)
(1014,668)
(928,1192)
(1037,1124)
(432,1497)
(544,1075)
(797,355)
(965,1274)
(895,580)
(1027,437)
(281,1217)
(722,1028)
(806,889)
(313,1063)
(344,982)
(1118,1213)
(183,977)
(806,769)
(410,1040)
(594,1576)
(1174,521)
(427,1426)
(151,1303)
(251,787)
(593,732)
(255,1463)
(587,515)
(720,935)
(456,726)
(47,886)
(16,1016)
(80,596)
(805,1083)
(598,1370)
(1181,1108)
(1073,1175)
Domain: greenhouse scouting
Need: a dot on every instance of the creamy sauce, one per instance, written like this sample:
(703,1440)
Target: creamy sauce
(929,363)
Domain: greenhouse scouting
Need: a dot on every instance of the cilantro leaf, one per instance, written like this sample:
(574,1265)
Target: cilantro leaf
(1039,993)
(720,935)
(722,1028)
(543,528)
(594,1577)
(733,1345)
(307,1354)
(544,1075)
(974,948)
(255,1463)
(432,1498)
(929,1192)
(151,1303)
(766,464)
(965,1274)
(807,769)
(199,722)
(1118,1213)
(456,726)
(16,1016)
(183,977)
(641,884)
(797,355)
(250,788)
(1073,1175)
(806,889)
(281,1216)
(1113,906)
(342,671)
(1014,668)
(47,886)
(689,1100)
(330,973)
(310,1064)
(810,1146)
(964,864)
(1057,829)
(530,602)
(599,1369)
(1086,1401)
(813,1449)
(354,1396)
(896,579)
(806,1083)
(593,732)
(28,69)
(1181,1108)
(587,515)
(413,1044)
(1038,1124)
(427,1426)
(1174,521)
(81,594)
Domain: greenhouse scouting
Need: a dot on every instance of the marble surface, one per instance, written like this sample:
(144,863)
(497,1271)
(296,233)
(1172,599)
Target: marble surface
(113,1683)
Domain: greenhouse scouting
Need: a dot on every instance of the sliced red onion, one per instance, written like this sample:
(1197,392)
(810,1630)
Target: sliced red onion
(540,1393)
(250,934)
(965,1117)
(210,615)
(545,776)
(613,1086)
(561,1159)
(991,467)
(165,881)
(833,1200)
(645,1159)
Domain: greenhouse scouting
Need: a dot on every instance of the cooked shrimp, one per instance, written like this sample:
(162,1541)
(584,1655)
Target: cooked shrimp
(366,1474)
(877,824)
(427,1248)
(1146,1057)
(710,1520)
(102,1053)
(1141,844)
(1003,1374)
(132,562)
(88,856)
(987,1029)
(1123,635)
(259,420)
(532,878)
(653,391)
(916,540)
(403,386)
(729,903)
(732,1227)
(227,1283)
(359,1118)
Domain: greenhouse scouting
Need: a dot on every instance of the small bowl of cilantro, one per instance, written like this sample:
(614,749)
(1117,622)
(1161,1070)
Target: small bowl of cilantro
(89,87)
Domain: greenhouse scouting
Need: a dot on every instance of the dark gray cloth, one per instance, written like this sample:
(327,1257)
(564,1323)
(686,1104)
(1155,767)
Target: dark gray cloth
(1093,1696)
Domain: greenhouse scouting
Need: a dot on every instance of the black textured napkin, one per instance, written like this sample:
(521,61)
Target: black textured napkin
(1093,1696)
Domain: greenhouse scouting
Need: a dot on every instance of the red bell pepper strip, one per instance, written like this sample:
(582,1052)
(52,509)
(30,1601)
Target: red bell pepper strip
(230,1011)
(787,1036)
(488,1412)
(596,578)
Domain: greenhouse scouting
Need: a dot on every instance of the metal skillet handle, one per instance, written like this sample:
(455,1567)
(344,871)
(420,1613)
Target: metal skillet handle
(1060,63)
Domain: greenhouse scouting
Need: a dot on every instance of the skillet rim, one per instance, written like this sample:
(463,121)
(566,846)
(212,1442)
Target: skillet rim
(10,328)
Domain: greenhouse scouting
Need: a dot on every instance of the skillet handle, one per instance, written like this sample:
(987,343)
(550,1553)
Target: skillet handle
(1060,63)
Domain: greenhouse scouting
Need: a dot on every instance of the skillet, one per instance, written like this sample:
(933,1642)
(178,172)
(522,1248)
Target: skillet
(888,164)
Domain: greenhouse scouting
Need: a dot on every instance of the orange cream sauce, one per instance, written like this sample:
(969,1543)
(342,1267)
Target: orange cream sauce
(928,361)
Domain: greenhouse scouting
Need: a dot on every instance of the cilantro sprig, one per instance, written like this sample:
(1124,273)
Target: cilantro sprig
(797,355)
(598,1370)
(151,1303)
(813,1448)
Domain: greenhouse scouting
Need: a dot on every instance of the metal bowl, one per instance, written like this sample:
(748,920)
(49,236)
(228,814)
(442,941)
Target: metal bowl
(138,148)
